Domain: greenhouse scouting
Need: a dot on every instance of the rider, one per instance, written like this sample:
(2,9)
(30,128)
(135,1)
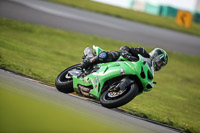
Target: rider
(158,57)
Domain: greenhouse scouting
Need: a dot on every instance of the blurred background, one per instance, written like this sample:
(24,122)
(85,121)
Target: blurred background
(167,8)
(41,38)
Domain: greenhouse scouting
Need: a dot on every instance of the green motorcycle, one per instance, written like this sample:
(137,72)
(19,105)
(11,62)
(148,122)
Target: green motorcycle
(113,84)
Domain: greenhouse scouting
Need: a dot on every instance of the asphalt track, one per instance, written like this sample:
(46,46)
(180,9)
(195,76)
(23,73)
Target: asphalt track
(36,90)
(63,17)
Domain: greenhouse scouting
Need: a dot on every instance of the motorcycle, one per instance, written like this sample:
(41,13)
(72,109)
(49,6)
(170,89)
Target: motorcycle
(113,84)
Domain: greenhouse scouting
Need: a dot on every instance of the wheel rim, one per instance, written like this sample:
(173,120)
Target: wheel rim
(112,95)
(65,75)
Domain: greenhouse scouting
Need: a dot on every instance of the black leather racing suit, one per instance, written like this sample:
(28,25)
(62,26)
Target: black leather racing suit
(110,56)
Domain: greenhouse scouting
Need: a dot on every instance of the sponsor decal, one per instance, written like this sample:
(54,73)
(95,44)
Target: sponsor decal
(102,55)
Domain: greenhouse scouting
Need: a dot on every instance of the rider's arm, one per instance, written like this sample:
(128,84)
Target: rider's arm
(135,51)
(103,57)
(106,57)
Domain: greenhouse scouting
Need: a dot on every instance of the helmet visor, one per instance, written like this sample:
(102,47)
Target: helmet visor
(159,64)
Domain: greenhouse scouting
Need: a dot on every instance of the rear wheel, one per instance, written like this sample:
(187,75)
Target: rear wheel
(112,98)
(64,82)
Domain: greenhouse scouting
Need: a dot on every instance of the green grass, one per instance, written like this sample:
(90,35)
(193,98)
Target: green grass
(164,22)
(22,112)
(43,52)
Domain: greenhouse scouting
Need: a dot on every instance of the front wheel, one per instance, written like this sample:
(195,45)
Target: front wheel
(64,82)
(113,99)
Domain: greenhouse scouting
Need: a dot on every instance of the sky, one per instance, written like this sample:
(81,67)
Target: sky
(181,4)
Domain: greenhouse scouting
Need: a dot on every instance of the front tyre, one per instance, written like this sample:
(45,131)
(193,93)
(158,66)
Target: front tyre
(64,82)
(112,99)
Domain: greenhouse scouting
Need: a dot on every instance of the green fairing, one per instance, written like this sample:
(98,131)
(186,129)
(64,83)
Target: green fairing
(97,50)
(111,70)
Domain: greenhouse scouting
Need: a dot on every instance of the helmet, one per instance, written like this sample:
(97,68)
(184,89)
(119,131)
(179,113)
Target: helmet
(159,58)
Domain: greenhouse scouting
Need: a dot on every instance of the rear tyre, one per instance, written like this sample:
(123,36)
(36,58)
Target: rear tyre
(109,99)
(64,83)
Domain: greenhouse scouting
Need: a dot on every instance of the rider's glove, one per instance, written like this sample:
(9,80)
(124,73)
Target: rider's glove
(85,63)
(126,55)
(89,62)
(129,56)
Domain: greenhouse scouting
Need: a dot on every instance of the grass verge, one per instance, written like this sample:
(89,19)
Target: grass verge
(164,22)
(42,53)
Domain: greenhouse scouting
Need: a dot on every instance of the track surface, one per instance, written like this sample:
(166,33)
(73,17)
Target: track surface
(37,90)
(63,17)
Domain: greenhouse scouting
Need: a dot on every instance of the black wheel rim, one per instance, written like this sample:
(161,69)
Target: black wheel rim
(113,95)
(65,76)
